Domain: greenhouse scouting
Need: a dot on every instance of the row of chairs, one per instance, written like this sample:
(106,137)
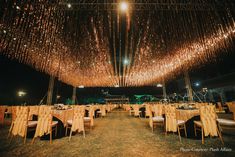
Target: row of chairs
(22,123)
(208,124)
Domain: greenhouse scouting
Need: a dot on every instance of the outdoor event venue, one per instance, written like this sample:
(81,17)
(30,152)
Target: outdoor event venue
(117,78)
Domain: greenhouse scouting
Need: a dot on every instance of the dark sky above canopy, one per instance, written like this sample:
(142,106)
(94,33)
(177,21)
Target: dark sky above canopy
(107,48)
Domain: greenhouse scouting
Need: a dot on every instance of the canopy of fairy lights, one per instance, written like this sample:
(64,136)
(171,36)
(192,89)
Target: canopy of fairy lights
(120,46)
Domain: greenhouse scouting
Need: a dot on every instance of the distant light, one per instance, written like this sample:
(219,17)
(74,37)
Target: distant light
(153,61)
(21,93)
(125,61)
(81,86)
(116,86)
(14,38)
(204,89)
(197,84)
(4,31)
(17,7)
(123,6)
(69,5)
(25,45)
(57,96)
(159,85)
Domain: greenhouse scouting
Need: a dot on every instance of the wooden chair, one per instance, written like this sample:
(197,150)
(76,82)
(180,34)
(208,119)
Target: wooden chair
(13,117)
(90,119)
(158,118)
(2,113)
(172,123)
(137,112)
(33,110)
(207,125)
(231,107)
(219,108)
(77,123)
(227,123)
(102,111)
(8,112)
(147,110)
(45,123)
(21,125)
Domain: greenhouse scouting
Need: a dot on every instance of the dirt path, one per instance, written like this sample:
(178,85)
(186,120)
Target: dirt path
(117,135)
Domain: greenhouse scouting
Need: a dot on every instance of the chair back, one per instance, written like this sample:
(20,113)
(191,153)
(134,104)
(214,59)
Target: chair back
(103,110)
(136,110)
(21,121)
(2,113)
(220,108)
(33,110)
(171,121)
(44,121)
(208,118)
(158,110)
(14,112)
(92,114)
(147,110)
(78,118)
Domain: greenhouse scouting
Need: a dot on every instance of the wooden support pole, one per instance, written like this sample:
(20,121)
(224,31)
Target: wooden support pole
(164,90)
(50,90)
(188,86)
(74,95)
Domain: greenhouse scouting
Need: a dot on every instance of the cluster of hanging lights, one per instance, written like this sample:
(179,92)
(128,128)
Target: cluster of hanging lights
(112,48)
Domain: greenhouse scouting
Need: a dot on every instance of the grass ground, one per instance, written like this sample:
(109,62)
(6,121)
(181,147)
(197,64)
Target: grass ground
(118,135)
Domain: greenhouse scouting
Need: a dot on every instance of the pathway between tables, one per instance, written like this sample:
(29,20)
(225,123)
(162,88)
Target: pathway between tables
(116,135)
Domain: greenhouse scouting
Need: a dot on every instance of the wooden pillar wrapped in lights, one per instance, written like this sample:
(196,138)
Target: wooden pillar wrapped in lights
(50,90)
(188,86)
(74,95)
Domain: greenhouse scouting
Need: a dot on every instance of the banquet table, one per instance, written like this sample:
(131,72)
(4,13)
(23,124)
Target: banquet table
(63,115)
(186,114)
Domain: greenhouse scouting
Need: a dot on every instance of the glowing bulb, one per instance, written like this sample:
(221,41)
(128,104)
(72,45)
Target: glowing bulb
(116,86)
(81,86)
(123,6)
(21,93)
(197,84)
(125,61)
(69,5)
(159,85)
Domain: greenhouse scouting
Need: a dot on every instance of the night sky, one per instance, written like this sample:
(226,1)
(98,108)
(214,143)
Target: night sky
(15,77)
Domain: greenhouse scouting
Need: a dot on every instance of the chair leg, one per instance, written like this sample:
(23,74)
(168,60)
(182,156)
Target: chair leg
(84,133)
(185,131)
(195,130)
(70,134)
(11,138)
(56,131)
(9,134)
(179,133)
(33,140)
(66,131)
(51,136)
(202,136)
(220,136)
(25,136)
